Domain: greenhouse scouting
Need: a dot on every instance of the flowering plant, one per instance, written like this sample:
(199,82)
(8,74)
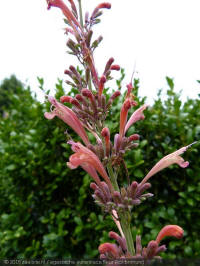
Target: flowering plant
(103,159)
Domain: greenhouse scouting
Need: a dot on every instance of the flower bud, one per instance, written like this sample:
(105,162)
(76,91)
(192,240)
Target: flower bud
(115,67)
(121,241)
(117,196)
(151,249)
(133,137)
(93,186)
(138,245)
(134,186)
(101,84)
(109,248)
(104,5)
(108,65)
(65,99)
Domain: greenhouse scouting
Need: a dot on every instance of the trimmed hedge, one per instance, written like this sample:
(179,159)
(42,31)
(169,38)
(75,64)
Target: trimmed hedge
(46,210)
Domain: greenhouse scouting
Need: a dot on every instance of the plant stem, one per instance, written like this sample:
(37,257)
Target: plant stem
(125,216)
(113,178)
(125,224)
(80,13)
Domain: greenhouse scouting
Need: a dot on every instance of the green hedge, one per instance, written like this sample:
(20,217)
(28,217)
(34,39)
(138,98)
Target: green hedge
(46,210)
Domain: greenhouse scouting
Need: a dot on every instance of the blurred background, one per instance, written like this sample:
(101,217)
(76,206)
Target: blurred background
(46,210)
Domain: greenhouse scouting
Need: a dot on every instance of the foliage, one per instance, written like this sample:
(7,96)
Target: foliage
(46,209)
(7,87)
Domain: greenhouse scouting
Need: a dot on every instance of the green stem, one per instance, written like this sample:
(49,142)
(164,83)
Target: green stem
(125,224)
(113,178)
(80,13)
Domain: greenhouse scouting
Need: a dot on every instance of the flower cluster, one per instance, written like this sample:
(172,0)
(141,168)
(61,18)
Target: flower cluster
(102,159)
(120,251)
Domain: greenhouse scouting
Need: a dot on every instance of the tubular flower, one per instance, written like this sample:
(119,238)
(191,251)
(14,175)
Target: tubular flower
(88,161)
(66,11)
(123,116)
(110,249)
(137,115)
(170,230)
(167,161)
(68,116)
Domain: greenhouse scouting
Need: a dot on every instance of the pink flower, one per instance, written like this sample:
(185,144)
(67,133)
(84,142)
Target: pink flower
(123,116)
(137,115)
(88,161)
(167,161)
(69,117)
(170,230)
(104,5)
(66,11)
(111,249)
(106,134)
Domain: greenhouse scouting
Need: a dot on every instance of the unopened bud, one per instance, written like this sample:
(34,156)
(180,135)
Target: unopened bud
(117,196)
(104,5)
(66,99)
(115,67)
(133,137)
(151,249)
(93,186)
(108,65)
(142,188)
(112,98)
(138,245)
(109,248)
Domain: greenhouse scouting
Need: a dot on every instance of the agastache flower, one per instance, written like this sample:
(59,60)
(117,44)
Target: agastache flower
(68,116)
(123,116)
(66,11)
(167,161)
(137,115)
(170,230)
(106,134)
(88,161)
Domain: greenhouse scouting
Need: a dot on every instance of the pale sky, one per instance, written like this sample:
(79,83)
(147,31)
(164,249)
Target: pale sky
(160,37)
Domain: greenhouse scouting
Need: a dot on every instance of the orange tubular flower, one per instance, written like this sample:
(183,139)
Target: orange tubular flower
(88,161)
(69,117)
(170,230)
(167,161)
